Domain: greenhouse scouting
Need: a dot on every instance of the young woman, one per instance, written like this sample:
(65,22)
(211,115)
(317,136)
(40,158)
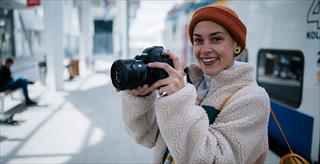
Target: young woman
(221,117)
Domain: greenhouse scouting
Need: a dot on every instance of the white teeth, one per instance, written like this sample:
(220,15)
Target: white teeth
(208,60)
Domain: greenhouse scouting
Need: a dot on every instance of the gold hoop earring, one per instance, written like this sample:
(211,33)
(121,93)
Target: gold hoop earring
(237,50)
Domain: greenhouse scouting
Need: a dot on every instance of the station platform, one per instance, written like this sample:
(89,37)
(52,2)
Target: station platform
(81,124)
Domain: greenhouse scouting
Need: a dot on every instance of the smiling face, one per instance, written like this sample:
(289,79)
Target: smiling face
(213,47)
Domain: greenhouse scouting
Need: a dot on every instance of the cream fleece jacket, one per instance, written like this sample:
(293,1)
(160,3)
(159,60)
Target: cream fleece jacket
(238,135)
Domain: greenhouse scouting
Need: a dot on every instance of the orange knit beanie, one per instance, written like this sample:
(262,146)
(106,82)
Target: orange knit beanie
(224,16)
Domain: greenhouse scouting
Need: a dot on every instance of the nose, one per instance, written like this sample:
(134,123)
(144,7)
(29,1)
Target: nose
(206,48)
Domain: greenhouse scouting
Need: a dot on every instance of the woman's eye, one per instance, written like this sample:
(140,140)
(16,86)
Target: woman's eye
(215,39)
(197,40)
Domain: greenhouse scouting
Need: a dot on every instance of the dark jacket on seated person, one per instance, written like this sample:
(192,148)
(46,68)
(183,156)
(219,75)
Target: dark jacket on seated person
(5,77)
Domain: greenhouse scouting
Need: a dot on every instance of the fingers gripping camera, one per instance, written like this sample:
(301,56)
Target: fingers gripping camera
(132,73)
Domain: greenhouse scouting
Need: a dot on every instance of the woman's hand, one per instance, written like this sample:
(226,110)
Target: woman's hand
(141,91)
(175,81)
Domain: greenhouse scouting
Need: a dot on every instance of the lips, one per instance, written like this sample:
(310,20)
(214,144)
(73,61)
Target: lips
(209,61)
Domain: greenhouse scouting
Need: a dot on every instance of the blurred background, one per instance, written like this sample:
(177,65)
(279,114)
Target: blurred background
(68,46)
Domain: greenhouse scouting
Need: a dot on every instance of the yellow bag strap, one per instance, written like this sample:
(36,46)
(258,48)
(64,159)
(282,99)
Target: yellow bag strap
(290,157)
(228,99)
(279,126)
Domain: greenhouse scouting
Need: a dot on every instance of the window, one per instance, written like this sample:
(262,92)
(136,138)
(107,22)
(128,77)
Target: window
(103,37)
(280,72)
(6,33)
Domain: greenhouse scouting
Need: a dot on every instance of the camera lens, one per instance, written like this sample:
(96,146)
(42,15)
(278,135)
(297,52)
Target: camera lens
(128,74)
(118,75)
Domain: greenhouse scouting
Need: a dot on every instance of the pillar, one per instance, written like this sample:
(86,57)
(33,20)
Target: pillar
(86,34)
(53,34)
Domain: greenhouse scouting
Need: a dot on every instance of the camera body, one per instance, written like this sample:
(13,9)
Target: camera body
(132,73)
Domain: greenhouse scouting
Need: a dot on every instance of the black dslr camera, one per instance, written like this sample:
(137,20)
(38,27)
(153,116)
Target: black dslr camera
(132,73)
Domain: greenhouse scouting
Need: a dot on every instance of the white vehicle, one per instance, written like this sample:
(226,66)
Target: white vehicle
(283,43)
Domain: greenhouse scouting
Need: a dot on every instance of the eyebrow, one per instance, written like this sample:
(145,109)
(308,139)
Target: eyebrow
(211,34)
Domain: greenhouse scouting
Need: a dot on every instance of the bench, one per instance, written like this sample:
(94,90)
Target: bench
(6,118)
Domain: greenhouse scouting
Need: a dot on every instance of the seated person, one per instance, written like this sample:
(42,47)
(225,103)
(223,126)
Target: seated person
(7,82)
